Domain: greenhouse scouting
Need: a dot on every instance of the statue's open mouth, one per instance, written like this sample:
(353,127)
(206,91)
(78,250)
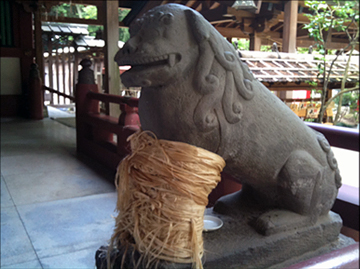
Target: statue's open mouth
(142,63)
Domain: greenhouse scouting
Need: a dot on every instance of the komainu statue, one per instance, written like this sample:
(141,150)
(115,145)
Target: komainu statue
(196,90)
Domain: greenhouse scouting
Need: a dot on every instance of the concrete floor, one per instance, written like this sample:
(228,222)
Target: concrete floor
(56,205)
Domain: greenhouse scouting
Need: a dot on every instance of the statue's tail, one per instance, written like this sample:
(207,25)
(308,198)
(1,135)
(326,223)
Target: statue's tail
(330,157)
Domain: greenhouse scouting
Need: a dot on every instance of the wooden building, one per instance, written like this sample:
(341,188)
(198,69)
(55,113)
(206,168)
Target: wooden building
(262,22)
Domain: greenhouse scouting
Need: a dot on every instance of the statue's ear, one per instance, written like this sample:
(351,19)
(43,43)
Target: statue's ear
(198,25)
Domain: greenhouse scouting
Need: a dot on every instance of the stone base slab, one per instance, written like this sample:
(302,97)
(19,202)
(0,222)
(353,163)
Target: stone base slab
(237,245)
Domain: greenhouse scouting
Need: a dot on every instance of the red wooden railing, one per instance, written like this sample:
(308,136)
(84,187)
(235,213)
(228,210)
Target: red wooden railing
(95,137)
(101,136)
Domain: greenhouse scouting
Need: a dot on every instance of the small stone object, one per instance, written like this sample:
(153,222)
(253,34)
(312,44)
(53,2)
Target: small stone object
(86,75)
(34,71)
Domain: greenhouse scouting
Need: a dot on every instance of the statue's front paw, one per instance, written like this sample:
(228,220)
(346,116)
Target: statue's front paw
(277,221)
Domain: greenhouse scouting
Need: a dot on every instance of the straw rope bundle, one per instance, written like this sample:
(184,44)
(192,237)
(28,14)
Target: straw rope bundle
(163,189)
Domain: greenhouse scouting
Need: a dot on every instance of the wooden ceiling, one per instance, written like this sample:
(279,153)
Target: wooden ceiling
(266,20)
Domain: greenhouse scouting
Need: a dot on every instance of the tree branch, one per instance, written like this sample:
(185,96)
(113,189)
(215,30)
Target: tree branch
(341,93)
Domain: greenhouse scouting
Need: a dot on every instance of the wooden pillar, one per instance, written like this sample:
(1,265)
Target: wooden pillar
(75,66)
(255,42)
(63,64)
(57,71)
(51,74)
(23,22)
(38,42)
(111,33)
(290,26)
(69,70)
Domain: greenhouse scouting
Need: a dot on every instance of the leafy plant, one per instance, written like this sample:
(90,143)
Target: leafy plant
(242,44)
(343,16)
(88,12)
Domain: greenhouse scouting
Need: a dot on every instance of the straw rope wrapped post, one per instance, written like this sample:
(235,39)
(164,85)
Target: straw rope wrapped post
(163,189)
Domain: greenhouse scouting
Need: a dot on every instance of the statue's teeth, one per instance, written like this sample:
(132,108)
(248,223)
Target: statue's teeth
(172,60)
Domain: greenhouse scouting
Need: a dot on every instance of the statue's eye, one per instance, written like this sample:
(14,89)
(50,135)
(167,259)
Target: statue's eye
(136,26)
(166,18)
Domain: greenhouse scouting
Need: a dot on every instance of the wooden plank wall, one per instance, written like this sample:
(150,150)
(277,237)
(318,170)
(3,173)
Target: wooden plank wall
(61,71)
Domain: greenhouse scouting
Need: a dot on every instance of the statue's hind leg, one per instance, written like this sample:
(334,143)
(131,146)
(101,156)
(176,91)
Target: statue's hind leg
(300,193)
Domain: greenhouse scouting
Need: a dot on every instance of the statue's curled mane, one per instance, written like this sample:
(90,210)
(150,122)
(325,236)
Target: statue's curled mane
(213,47)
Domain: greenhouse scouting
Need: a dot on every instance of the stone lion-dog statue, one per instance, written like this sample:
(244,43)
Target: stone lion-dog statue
(196,90)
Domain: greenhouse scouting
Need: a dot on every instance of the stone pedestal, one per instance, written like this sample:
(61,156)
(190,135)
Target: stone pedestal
(237,245)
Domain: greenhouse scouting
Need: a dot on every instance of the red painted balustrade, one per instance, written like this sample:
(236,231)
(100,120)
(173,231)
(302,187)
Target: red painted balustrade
(101,136)
(104,138)
(95,137)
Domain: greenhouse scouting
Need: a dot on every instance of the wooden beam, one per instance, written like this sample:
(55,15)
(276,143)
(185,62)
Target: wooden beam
(258,6)
(290,26)
(190,3)
(215,5)
(111,33)
(240,14)
(78,21)
(231,32)
(221,21)
(278,27)
(100,13)
(86,2)
(230,24)
(337,43)
(255,42)
(217,15)
(71,20)
(301,18)
(38,43)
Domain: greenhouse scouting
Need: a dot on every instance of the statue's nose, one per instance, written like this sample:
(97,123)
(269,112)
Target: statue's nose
(130,46)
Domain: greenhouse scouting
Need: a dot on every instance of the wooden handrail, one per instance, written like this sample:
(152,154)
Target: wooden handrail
(342,137)
(45,88)
(111,98)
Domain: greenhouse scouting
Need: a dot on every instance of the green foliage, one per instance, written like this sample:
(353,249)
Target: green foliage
(72,11)
(327,17)
(242,44)
(349,99)
(301,50)
(265,48)
(88,12)
(124,34)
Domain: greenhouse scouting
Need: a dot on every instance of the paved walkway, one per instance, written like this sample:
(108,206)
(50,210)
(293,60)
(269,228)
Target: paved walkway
(56,205)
